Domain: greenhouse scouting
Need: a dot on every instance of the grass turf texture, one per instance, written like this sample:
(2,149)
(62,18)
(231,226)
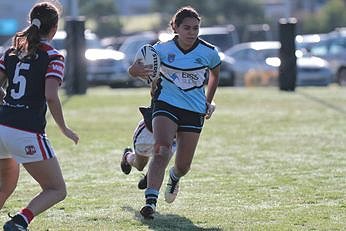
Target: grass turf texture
(267,160)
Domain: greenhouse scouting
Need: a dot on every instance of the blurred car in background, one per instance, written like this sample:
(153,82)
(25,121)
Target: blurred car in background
(104,66)
(307,42)
(331,47)
(129,48)
(257,63)
(132,43)
(224,37)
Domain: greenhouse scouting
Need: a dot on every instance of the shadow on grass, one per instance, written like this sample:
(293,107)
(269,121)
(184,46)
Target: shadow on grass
(322,102)
(169,222)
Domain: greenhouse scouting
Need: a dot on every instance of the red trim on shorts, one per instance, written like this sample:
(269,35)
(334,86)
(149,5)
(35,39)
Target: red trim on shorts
(43,151)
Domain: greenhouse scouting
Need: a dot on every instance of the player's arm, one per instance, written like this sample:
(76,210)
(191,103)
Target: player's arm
(213,82)
(53,101)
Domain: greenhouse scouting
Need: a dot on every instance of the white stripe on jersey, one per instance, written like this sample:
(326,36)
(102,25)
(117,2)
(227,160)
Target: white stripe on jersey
(55,75)
(53,52)
(58,62)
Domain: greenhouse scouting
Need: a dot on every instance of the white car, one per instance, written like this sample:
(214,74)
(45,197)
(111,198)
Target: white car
(257,63)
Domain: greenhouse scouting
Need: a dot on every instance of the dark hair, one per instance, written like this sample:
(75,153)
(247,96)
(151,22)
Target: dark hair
(181,14)
(42,18)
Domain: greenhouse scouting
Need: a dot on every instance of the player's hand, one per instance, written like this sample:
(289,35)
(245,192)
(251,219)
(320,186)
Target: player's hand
(210,109)
(69,133)
(138,69)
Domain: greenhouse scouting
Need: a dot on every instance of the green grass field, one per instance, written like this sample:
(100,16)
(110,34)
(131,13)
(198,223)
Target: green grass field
(267,160)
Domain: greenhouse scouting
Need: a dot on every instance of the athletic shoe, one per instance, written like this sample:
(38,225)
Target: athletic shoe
(142,183)
(125,166)
(172,190)
(148,211)
(12,226)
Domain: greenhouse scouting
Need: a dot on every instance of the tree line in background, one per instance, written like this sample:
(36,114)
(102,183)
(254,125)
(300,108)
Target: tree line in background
(103,19)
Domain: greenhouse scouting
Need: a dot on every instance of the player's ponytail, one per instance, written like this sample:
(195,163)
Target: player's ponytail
(42,18)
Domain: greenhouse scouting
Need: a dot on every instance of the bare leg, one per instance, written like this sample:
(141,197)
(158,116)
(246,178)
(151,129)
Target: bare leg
(164,132)
(48,174)
(187,143)
(137,161)
(9,173)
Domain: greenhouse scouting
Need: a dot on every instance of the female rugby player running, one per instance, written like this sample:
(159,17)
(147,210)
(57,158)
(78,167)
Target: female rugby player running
(179,103)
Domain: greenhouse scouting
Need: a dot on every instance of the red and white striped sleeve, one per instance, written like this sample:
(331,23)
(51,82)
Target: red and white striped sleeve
(56,66)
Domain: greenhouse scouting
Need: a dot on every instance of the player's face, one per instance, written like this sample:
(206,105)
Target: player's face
(188,32)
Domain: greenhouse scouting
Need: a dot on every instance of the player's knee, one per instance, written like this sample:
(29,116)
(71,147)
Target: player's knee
(59,192)
(162,149)
(140,167)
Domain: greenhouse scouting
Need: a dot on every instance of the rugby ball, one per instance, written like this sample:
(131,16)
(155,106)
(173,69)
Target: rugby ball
(148,56)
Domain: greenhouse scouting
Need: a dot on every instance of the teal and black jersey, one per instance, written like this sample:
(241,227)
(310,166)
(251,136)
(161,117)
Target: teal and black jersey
(183,73)
(24,105)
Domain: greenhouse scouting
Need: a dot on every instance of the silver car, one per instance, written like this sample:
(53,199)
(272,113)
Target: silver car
(104,66)
(331,47)
(257,63)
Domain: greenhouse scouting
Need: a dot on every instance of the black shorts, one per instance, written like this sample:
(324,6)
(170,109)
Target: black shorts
(187,121)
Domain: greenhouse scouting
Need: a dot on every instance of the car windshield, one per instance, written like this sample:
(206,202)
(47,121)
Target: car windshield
(268,53)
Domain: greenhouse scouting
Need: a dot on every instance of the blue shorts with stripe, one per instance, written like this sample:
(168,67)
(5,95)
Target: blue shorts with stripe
(187,121)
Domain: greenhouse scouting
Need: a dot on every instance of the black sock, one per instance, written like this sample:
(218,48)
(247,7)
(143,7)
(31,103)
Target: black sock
(18,219)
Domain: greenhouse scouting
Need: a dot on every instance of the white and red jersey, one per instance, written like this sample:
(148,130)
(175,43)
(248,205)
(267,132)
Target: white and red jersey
(25,104)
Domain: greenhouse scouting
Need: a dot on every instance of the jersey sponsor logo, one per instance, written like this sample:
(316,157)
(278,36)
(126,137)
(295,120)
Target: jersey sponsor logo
(191,76)
(30,150)
(174,76)
(171,58)
(57,67)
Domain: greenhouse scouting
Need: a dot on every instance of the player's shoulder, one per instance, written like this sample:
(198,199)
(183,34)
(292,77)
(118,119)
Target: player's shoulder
(163,44)
(50,51)
(207,44)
